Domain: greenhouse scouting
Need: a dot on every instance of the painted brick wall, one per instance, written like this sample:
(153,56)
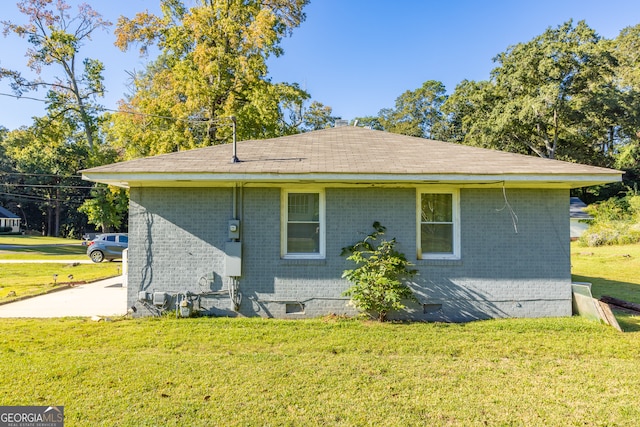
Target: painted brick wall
(177,241)
(510,266)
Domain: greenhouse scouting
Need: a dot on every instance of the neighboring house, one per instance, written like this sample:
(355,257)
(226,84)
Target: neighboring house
(487,230)
(579,219)
(9,220)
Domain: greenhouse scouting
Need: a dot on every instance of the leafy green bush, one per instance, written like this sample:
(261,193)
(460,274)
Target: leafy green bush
(615,222)
(611,233)
(379,281)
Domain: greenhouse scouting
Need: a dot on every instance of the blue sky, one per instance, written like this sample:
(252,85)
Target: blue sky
(358,56)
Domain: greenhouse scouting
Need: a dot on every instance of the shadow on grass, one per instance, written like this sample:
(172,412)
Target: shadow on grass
(627,291)
(628,322)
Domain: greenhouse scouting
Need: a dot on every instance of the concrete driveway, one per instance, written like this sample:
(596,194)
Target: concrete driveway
(106,298)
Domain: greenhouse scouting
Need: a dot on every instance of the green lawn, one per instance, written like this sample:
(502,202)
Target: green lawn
(334,371)
(20,280)
(26,279)
(613,270)
(38,247)
(35,240)
(254,372)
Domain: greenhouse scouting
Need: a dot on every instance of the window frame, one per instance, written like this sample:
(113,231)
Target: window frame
(284,218)
(455,222)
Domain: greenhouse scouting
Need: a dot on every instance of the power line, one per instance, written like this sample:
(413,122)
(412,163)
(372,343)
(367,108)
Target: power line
(40,174)
(133,113)
(23,97)
(77,187)
(70,200)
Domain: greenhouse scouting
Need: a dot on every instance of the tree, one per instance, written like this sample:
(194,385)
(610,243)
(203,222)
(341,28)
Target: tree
(466,110)
(56,38)
(5,166)
(46,164)
(291,114)
(42,163)
(107,207)
(379,281)
(371,122)
(626,48)
(417,113)
(7,172)
(318,116)
(552,96)
(212,65)
(538,83)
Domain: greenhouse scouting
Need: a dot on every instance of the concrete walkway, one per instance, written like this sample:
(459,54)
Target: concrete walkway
(106,298)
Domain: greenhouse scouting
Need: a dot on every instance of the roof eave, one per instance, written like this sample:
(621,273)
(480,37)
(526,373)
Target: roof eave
(150,179)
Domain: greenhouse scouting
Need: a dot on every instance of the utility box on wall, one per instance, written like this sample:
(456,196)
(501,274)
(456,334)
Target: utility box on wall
(233,259)
(234,229)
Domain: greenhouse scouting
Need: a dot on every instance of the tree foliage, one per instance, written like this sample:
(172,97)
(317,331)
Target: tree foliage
(106,208)
(317,116)
(56,38)
(371,122)
(211,65)
(379,281)
(41,163)
(626,49)
(45,177)
(553,96)
(417,112)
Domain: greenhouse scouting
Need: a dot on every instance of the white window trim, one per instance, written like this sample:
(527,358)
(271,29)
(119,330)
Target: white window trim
(284,213)
(455,212)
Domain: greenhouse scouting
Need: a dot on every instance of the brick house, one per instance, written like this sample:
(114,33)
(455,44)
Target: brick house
(488,231)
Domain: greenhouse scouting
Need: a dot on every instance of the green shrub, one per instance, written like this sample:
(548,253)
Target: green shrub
(379,280)
(634,208)
(615,222)
(613,209)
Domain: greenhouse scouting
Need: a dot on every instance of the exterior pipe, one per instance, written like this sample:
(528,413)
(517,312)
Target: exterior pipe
(235,201)
(234,159)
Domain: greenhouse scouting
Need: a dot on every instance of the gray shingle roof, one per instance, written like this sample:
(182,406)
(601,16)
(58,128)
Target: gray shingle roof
(348,151)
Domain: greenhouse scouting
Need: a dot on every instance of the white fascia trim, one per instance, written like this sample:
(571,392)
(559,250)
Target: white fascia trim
(186,179)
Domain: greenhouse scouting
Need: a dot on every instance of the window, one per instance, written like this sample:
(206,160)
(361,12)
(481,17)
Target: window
(438,220)
(303,224)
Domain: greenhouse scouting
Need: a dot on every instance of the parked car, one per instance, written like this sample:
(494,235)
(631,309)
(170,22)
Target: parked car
(107,246)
